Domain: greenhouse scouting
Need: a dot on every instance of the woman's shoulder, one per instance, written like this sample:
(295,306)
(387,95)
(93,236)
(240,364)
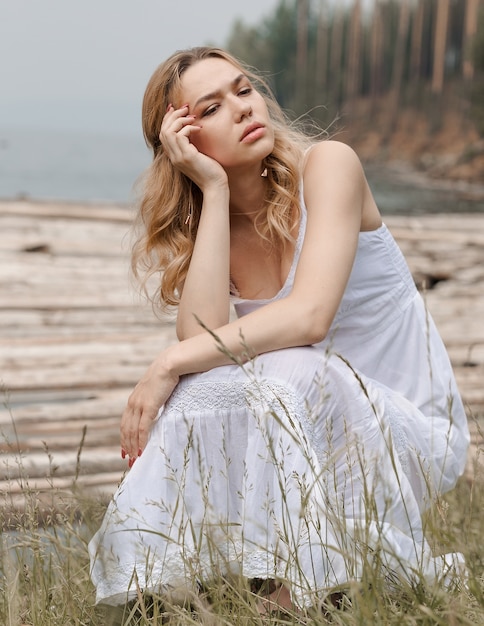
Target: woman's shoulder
(333,152)
(332,161)
(334,172)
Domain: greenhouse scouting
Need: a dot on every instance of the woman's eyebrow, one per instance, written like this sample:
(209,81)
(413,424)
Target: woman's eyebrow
(216,94)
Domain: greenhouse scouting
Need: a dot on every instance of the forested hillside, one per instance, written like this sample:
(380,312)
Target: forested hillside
(399,79)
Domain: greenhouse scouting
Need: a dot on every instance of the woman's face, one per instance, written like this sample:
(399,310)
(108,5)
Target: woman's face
(236,129)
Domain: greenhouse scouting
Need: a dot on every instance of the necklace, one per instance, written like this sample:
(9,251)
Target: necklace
(247,212)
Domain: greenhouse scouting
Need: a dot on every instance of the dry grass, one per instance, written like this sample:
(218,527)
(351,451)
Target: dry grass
(44,574)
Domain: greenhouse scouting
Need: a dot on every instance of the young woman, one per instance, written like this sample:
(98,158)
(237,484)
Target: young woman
(302,439)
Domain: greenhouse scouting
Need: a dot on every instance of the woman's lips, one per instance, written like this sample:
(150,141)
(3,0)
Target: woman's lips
(252,133)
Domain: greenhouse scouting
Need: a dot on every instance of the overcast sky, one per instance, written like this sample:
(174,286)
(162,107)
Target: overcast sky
(84,64)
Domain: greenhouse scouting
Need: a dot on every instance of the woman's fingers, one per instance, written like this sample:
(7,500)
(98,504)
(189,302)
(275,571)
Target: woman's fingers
(176,128)
(142,410)
(130,431)
(174,121)
(144,426)
(175,137)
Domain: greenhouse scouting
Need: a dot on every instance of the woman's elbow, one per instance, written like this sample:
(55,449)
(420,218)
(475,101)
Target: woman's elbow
(186,330)
(191,326)
(312,327)
(315,335)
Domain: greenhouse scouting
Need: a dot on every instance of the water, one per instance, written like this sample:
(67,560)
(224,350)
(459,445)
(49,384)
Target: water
(49,165)
(68,166)
(397,190)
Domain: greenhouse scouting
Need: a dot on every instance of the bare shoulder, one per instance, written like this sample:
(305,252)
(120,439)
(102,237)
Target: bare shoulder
(333,163)
(332,154)
(334,176)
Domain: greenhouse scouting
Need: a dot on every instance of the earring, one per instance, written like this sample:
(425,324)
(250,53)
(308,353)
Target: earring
(264,173)
(189,216)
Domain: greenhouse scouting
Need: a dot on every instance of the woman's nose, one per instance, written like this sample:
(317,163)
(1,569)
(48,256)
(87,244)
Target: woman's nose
(243,108)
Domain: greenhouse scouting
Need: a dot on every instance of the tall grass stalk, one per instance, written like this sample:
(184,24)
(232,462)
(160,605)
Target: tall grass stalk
(44,568)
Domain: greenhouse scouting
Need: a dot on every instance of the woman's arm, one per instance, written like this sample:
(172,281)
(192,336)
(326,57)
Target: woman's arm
(334,189)
(205,292)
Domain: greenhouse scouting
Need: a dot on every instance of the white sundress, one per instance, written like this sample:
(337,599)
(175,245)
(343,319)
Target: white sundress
(304,464)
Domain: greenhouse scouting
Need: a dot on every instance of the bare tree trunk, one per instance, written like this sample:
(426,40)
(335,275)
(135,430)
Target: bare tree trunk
(440,45)
(302,50)
(416,43)
(376,52)
(470,29)
(321,50)
(336,68)
(354,53)
(398,63)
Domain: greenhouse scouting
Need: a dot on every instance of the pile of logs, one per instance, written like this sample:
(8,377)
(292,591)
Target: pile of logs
(75,336)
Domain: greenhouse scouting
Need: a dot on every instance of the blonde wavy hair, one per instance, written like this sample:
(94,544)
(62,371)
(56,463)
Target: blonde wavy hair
(163,240)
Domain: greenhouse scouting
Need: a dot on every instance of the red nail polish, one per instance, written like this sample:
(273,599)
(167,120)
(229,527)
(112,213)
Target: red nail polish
(131,461)
(139,451)
(123,453)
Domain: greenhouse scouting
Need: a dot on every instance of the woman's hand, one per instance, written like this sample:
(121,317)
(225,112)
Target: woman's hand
(152,391)
(176,130)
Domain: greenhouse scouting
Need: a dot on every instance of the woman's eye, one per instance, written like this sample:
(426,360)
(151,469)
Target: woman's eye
(210,111)
(245,91)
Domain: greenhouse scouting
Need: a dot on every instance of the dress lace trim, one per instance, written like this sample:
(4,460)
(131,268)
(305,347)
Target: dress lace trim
(229,395)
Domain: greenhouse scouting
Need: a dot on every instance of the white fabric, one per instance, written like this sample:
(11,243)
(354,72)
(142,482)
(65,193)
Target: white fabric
(306,463)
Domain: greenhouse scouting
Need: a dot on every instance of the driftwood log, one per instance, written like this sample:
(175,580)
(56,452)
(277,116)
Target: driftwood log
(75,337)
